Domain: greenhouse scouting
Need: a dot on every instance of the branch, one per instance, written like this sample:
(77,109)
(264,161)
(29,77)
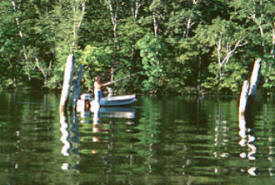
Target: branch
(39,67)
(231,52)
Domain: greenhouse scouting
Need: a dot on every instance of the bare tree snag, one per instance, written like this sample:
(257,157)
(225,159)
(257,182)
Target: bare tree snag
(254,78)
(68,75)
(244,97)
(76,87)
(249,89)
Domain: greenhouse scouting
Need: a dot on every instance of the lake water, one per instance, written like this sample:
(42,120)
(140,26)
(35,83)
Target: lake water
(158,141)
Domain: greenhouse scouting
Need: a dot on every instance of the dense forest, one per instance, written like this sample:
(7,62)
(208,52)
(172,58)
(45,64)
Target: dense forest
(155,46)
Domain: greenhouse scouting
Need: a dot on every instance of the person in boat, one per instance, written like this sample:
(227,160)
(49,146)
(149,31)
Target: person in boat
(97,88)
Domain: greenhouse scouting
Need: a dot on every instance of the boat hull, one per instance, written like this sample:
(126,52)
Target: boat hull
(118,100)
(114,101)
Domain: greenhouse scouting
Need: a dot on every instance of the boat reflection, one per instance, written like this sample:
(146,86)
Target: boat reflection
(96,129)
(114,112)
(70,131)
(104,112)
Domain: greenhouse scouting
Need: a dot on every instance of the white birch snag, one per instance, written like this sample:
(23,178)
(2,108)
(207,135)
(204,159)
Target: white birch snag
(243,97)
(68,75)
(254,77)
(76,87)
(249,89)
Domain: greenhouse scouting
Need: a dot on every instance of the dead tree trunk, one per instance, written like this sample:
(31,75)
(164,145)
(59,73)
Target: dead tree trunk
(243,97)
(254,78)
(68,75)
(249,89)
(76,88)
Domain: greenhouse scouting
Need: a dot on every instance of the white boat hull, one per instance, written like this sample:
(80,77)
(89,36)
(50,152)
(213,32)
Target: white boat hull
(118,100)
(106,102)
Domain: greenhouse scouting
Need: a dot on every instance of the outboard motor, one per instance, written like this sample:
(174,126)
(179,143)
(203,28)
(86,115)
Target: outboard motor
(110,91)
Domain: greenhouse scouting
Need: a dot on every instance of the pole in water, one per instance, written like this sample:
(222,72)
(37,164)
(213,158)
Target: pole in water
(68,75)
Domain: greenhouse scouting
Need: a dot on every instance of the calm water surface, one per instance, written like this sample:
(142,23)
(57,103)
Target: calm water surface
(159,141)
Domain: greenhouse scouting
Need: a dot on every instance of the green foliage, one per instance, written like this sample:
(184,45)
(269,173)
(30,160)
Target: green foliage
(181,56)
(97,60)
(235,74)
(152,50)
(268,71)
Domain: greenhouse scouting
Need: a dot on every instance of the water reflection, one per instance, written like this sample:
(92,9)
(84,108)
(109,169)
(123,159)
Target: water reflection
(65,135)
(88,126)
(159,141)
(247,140)
(96,129)
(221,139)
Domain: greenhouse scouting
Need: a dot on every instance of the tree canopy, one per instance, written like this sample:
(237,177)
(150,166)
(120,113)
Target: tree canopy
(180,46)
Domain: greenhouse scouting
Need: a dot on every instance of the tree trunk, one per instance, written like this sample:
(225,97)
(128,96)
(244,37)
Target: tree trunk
(77,21)
(243,97)
(189,21)
(114,15)
(76,87)
(155,24)
(230,50)
(43,71)
(273,41)
(68,75)
(249,89)
(219,59)
(254,77)
(135,5)
(22,39)
(258,22)
(188,27)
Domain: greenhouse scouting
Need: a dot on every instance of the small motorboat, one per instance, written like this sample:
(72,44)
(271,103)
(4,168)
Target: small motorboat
(86,103)
(118,100)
